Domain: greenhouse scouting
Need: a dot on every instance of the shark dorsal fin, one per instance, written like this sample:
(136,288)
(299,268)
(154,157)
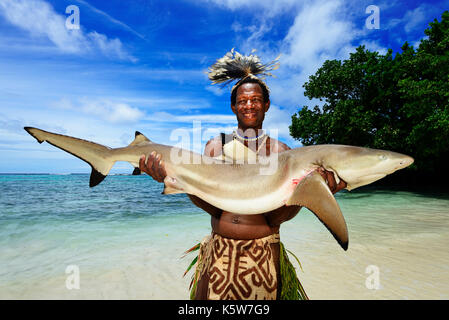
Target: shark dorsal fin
(139,138)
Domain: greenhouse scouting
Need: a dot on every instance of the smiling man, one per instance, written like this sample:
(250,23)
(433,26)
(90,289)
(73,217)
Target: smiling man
(243,257)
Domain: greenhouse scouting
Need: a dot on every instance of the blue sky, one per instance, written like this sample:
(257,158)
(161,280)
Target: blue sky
(140,65)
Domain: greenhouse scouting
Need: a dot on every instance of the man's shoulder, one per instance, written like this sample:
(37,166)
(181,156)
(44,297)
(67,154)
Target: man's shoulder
(278,146)
(213,147)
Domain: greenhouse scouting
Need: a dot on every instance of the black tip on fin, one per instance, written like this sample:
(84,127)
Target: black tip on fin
(95,178)
(136,171)
(343,244)
(137,133)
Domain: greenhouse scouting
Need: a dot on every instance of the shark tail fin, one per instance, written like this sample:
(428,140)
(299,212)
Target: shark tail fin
(313,193)
(96,155)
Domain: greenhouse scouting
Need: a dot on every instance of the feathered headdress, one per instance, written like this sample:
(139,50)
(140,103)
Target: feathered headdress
(235,66)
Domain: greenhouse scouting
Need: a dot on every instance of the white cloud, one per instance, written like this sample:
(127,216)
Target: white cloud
(39,18)
(392,23)
(236,27)
(111,19)
(321,31)
(115,112)
(270,7)
(414,18)
(318,33)
(277,121)
(109,47)
(374,46)
(206,118)
(215,90)
(41,21)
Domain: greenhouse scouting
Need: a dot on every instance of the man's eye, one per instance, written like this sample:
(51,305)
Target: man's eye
(255,101)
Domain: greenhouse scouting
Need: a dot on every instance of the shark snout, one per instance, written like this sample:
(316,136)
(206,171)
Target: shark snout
(405,162)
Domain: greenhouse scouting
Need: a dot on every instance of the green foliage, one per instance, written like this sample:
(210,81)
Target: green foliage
(398,103)
(291,287)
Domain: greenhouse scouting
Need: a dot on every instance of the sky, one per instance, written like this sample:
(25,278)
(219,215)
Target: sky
(142,65)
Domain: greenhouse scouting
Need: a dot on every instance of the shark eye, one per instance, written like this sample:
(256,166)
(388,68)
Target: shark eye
(382,157)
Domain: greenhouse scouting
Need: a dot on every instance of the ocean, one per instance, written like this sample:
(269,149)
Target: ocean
(60,239)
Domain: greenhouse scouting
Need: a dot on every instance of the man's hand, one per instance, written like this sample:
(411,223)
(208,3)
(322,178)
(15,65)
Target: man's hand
(154,167)
(328,176)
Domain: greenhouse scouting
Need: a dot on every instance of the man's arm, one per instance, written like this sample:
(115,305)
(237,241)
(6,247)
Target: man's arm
(155,168)
(213,211)
(212,149)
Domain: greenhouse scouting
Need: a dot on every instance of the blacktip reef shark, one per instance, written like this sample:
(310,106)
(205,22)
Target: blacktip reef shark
(240,188)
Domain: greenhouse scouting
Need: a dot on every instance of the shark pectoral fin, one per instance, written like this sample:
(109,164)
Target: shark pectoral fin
(171,186)
(313,193)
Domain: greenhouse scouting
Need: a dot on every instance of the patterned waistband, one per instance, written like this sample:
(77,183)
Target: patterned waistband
(272,238)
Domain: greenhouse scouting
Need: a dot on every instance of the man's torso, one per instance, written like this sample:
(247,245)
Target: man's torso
(244,227)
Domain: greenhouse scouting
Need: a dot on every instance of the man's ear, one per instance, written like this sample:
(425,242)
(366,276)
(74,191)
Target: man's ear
(267,105)
(233,109)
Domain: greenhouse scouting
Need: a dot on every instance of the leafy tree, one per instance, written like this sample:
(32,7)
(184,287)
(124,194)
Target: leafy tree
(398,103)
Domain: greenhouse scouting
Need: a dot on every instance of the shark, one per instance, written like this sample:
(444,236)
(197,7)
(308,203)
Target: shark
(240,187)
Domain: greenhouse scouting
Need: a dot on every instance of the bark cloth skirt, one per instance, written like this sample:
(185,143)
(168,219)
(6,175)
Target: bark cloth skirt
(230,269)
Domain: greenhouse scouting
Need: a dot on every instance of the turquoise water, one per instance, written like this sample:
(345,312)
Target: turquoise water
(127,238)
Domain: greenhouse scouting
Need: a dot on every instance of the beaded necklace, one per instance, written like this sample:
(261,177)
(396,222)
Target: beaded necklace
(237,135)
(263,136)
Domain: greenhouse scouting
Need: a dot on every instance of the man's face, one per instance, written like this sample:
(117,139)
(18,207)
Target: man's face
(249,106)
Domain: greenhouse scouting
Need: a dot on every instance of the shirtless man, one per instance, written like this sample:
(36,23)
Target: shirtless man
(249,102)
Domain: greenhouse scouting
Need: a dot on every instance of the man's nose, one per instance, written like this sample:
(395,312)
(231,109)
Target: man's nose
(248,104)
